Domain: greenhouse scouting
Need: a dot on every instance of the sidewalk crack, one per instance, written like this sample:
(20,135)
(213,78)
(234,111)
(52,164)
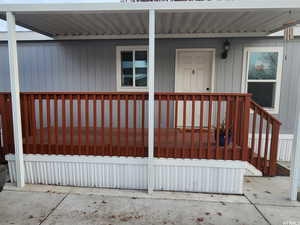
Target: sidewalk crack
(258,210)
(53,209)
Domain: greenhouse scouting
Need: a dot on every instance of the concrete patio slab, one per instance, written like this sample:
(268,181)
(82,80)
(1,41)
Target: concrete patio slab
(94,209)
(280,215)
(26,208)
(268,191)
(265,202)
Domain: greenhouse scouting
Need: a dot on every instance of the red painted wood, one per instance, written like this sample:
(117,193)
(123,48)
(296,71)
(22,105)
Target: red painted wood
(209,153)
(274,147)
(192,153)
(253,136)
(63,106)
(201,126)
(168,125)
(33,120)
(245,129)
(228,127)
(158,127)
(143,125)
(266,145)
(119,125)
(110,125)
(135,124)
(79,124)
(103,124)
(235,128)
(95,124)
(218,127)
(183,152)
(71,125)
(176,127)
(260,141)
(41,115)
(126,124)
(87,126)
(26,123)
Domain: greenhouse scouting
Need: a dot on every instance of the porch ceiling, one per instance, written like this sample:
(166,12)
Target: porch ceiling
(133,23)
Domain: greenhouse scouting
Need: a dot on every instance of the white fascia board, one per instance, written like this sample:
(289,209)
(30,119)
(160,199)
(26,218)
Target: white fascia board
(281,33)
(235,5)
(26,36)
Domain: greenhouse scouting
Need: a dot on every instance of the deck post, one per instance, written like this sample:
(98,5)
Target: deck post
(151,104)
(245,137)
(15,96)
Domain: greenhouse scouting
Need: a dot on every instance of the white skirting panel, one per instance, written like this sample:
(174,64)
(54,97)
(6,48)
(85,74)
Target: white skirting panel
(285,145)
(214,176)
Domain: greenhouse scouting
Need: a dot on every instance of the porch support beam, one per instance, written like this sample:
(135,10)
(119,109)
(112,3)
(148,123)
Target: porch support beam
(295,165)
(151,105)
(295,161)
(15,96)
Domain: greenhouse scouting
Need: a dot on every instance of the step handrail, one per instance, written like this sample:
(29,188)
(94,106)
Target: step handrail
(263,154)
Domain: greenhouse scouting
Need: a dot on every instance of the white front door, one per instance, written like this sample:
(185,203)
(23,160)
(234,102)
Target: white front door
(194,70)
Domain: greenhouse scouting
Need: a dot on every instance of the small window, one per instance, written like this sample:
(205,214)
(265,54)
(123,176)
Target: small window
(132,68)
(262,76)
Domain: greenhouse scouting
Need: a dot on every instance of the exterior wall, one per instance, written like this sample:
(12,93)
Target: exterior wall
(90,66)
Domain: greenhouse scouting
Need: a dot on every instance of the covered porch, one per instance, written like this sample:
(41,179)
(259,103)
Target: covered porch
(150,124)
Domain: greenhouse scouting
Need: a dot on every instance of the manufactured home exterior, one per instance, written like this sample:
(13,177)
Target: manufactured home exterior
(90,65)
(149,95)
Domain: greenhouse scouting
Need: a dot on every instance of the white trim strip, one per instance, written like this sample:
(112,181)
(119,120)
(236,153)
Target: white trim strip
(207,6)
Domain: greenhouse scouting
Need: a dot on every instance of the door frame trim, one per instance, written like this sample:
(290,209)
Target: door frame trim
(213,50)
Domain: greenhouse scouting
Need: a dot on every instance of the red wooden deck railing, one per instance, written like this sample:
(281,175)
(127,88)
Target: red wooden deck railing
(264,141)
(187,125)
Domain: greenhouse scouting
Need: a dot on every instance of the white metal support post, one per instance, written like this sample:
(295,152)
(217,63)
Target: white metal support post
(295,162)
(15,96)
(151,122)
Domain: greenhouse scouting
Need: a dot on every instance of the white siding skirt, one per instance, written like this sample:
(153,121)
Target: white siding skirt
(191,175)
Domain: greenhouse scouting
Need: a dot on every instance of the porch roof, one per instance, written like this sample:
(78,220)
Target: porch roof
(215,18)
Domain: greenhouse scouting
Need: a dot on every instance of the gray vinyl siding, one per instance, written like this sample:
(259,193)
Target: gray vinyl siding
(91,66)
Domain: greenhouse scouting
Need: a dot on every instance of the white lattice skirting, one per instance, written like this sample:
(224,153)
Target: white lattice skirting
(214,176)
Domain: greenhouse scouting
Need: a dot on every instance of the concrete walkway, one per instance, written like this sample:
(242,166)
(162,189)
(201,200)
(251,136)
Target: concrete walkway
(265,202)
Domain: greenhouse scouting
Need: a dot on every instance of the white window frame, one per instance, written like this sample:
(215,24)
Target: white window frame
(245,80)
(119,49)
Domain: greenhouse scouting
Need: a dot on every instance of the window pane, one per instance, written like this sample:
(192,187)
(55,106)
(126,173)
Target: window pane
(263,65)
(140,68)
(127,69)
(263,93)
